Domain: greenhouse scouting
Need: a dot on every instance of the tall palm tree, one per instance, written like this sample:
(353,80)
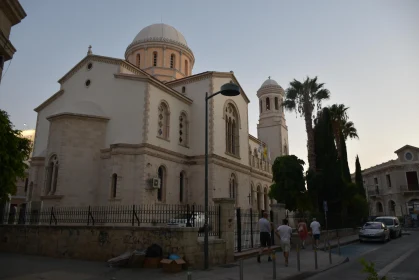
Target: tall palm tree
(303,97)
(339,116)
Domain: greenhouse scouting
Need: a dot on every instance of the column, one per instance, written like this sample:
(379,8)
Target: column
(227,225)
(164,56)
(146,58)
(180,61)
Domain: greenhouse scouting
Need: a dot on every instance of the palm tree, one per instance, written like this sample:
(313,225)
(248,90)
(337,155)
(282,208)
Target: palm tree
(303,98)
(339,116)
(349,130)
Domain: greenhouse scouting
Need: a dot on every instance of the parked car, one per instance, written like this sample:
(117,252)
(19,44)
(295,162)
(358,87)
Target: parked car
(392,223)
(374,231)
(197,220)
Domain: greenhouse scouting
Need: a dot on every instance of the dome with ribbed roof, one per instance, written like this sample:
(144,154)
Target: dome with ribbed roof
(160,32)
(269,82)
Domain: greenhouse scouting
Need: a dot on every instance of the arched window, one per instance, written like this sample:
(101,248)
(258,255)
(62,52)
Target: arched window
(183,89)
(233,187)
(172,60)
(276,103)
(162,177)
(114,184)
(232,130)
(183,130)
(379,207)
(164,121)
(52,176)
(260,106)
(138,60)
(181,186)
(258,197)
(154,58)
(186,68)
(268,104)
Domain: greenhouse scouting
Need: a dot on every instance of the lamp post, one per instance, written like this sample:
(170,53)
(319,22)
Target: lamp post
(228,89)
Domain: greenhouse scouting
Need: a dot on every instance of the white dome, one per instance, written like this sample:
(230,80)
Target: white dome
(269,82)
(160,32)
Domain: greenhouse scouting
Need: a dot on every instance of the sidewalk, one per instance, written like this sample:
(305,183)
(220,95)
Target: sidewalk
(35,268)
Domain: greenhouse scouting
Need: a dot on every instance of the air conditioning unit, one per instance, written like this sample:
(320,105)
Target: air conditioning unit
(155,183)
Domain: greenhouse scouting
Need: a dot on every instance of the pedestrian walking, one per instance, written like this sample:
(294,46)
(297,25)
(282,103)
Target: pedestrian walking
(265,236)
(315,231)
(302,232)
(284,232)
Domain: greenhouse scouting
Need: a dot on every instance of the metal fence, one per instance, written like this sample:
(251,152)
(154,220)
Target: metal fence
(246,231)
(124,215)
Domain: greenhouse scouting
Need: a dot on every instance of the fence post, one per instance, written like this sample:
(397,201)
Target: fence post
(239,230)
(274,264)
(189,273)
(188,216)
(338,246)
(241,269)
(330,254)
(52,213)
(219,221)
(298,256)
(315,258)
(271,214)
(133,214)
(251,228)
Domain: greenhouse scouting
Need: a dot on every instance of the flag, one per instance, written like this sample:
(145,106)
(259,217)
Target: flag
(269,155)
(265,152)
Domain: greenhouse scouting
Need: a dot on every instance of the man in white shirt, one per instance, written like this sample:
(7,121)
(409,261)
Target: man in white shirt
(284,232)
(265,235)
(315,231)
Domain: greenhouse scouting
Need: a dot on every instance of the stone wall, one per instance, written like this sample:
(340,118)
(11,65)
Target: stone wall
(102,243)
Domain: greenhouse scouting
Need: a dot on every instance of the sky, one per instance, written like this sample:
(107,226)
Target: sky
(366,53)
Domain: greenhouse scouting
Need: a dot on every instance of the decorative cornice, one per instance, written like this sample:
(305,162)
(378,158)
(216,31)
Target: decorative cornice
(158,84)
(256,140)
(165,41)
(13,11)
(190,79)
(49,100)
(77,116)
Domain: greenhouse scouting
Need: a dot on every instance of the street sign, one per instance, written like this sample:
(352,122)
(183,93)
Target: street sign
(325,206)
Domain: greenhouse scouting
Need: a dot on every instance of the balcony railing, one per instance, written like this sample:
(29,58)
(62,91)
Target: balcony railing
(410,188)
(260,164)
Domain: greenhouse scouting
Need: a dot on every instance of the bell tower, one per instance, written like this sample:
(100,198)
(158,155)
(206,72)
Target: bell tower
(272,127)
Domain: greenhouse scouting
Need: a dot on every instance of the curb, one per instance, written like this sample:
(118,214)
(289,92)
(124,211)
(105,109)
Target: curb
(307,274)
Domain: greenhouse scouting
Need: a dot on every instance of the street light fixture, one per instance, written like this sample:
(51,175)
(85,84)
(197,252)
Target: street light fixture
(228,89)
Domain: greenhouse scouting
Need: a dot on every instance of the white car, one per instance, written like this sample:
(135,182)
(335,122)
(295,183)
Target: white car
(374,231)
(392,223)
(197,220)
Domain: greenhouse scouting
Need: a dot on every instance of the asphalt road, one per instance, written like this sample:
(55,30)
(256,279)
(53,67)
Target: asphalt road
(398,259)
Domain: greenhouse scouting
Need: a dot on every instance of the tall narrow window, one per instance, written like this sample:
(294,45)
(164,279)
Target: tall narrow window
(183,129)
(154,58)
(268,104)
(183,89)
(172,60)
(138,60)
(233,186)
(26,184)
(232,130)
(265,199)
(258,197)
(160,191)
(252,195)
(260,106)
(186,68)
(276,103)
(114,184)
(164,121)
(388,180)
(52,176)
(181,186)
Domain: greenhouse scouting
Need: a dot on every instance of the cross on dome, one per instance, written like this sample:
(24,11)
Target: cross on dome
(89,51)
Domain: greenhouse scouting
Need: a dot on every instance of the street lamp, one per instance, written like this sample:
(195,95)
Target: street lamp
(228,89)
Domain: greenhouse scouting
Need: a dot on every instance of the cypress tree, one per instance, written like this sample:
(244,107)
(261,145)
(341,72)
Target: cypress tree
(359,181)
(344,159)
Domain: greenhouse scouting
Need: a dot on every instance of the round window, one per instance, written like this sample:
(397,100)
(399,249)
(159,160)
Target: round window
(89,66)
(87,83)
(408,156)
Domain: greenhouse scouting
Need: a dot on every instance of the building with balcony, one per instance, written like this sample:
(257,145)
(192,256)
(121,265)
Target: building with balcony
(11,13)
(393,187)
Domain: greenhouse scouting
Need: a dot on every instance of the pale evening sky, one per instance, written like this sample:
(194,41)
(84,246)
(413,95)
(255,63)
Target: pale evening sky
(367,53)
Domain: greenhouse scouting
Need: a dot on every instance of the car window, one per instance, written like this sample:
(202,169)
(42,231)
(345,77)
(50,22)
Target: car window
(372,226)
(387,222)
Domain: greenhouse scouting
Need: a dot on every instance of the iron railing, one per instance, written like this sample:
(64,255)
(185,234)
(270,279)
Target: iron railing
(134,215)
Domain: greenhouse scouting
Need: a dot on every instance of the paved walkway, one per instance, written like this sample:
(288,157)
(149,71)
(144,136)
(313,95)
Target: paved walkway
(24,267)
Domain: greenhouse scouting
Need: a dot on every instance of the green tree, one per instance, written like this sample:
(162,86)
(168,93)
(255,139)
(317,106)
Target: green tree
(346,174)
(14,150)
(303,98)
(289,182)
(349,130)
(359,181)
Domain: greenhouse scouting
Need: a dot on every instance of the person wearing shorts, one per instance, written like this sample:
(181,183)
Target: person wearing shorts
(265,236)
(302,232)
(315,229)
(284,232)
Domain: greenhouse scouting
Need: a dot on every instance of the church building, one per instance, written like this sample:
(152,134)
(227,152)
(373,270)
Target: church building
(131,131)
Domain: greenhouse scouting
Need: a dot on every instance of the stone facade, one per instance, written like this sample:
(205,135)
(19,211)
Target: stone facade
(392,187)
